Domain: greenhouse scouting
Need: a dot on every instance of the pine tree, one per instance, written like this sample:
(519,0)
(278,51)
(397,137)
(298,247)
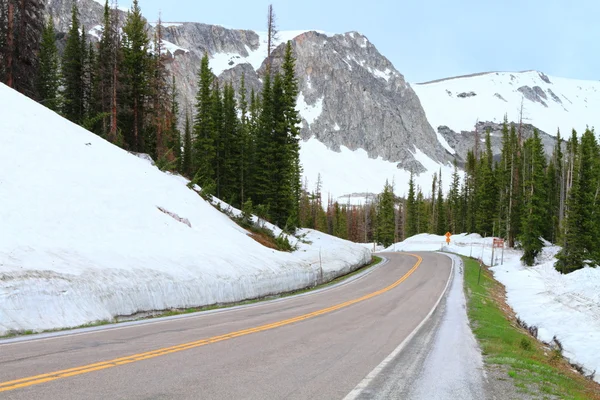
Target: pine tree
(385,230)
(486,191)
(186,167)
(411,209)
(216,131)
(247,148)
(173,137)
(106,71)
(48,78)
(264,143)
(454,203)
(292,121)
(469,191)
(204,142)
(535,203)
(281,192)
(441,227)
(72,71)
(135,77)
(571,257)
(232,148)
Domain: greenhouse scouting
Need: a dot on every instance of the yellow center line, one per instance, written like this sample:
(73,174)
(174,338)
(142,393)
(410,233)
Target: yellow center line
(65,373)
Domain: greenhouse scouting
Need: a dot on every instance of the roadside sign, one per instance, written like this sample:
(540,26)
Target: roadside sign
(498,243)
(448,234)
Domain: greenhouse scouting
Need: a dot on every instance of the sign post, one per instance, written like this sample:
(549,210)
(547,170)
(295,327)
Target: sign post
(497,243)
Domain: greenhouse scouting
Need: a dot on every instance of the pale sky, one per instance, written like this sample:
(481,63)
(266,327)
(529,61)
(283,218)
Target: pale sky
(430,39)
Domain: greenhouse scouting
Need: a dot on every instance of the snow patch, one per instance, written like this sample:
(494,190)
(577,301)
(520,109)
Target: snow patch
(308,112)
(96,31)
(166,24)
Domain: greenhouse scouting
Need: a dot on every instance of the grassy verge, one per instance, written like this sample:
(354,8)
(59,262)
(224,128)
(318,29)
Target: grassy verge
(374,261)
(536,368)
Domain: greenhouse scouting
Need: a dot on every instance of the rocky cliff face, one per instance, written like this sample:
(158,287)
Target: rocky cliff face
(350,94)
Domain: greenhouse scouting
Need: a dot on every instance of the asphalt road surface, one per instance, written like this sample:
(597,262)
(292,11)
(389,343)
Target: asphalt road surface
(316,346)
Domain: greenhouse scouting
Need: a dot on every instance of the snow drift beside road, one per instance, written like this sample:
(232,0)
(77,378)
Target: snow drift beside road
(567,306)
(90,232)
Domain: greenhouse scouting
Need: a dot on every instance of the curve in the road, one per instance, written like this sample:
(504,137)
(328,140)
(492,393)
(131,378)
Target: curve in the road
(66,373)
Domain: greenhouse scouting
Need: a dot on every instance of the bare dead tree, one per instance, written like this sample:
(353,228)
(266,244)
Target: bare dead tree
(272,36)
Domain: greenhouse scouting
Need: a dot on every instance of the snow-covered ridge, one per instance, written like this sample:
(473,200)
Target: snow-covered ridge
(90,232)
(549,103)
(565,306)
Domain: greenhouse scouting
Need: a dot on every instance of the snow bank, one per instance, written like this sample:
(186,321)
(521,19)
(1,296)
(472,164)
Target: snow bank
(90,232)
(565,306)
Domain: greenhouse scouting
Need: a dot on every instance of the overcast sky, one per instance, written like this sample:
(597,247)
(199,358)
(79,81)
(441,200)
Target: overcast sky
(430,39)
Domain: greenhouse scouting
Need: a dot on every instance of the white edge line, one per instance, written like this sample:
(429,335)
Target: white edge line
(199,314)
(357,391)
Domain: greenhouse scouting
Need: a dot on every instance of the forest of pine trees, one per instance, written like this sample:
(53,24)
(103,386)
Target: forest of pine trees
(244,147)
(523,197)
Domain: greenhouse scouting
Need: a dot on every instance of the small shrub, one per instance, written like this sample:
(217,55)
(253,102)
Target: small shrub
(247,210)
(167,162)
(283,243)
(525,344)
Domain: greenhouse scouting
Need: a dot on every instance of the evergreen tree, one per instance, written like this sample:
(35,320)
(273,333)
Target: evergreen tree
(216,131)
(411,209)
(72,71)
(385,231)
(536,205)
(441,227)
(486,191)
(292,121)
(48,78)
(469,187)
(186,167)
(135,77)
(173,137)
(232,148)
(204,141)
(106,73)
(264,143)
(454,203)
(571,257)
(246,143)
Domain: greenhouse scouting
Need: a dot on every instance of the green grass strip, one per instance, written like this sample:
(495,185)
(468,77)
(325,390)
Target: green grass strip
(532,365)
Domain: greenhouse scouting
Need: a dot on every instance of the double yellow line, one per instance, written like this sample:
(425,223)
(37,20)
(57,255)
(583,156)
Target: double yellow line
(66,373)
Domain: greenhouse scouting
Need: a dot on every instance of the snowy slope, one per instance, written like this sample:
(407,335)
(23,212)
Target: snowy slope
(86,235)
(549,102)
(348,174)
(567,306)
